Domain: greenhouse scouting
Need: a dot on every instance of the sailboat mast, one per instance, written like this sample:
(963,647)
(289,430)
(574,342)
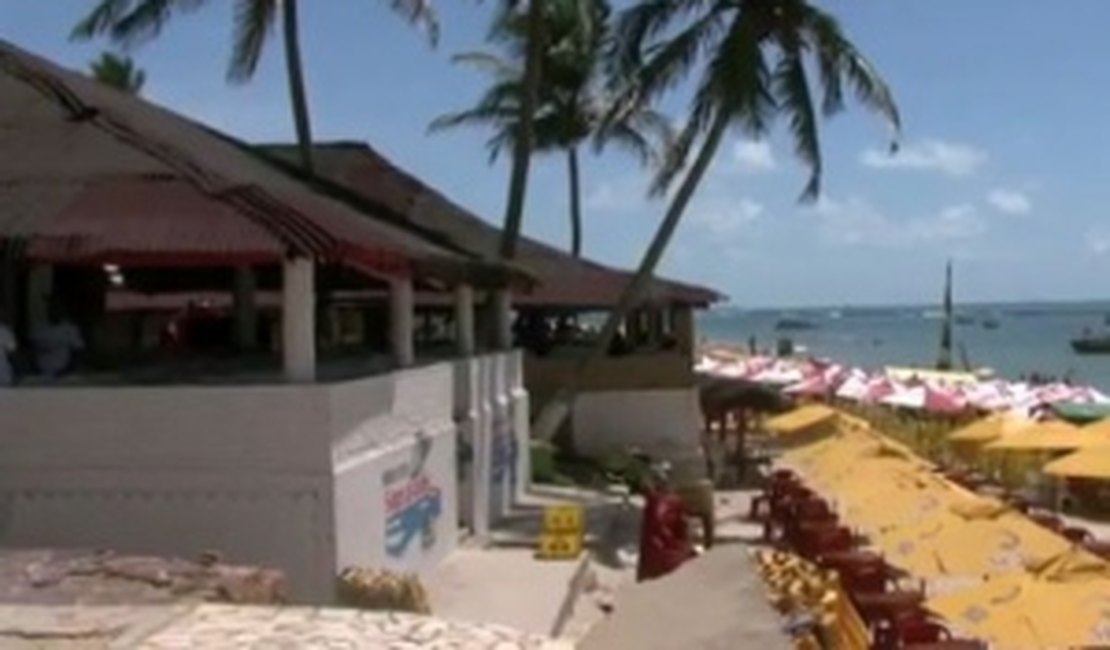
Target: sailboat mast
(944,359)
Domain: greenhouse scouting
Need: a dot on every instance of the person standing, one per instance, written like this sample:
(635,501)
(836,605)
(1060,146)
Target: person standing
(56,343)
(664,536)
(8,346)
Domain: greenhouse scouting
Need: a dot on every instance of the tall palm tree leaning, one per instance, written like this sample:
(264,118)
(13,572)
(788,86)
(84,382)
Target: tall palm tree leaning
(750,57)
(131,22)
(571,104)
(119,72)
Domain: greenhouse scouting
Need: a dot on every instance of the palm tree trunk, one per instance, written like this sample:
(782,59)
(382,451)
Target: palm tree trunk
(522,149)
(296,83)
(634,290)
(575,203)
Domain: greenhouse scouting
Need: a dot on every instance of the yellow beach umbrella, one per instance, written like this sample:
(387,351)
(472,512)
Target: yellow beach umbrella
(950,545)
(989,428)
(1063,604)
(805,418)
(1093,463)
(1052,436)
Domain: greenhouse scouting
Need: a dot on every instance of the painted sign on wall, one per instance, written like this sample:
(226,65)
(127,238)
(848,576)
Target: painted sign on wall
(413,502)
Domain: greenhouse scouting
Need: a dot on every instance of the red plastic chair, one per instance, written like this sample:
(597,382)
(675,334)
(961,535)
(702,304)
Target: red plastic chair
(1077,534)
(914,628)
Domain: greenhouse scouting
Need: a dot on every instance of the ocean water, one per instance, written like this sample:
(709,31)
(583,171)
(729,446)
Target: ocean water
(1030,338)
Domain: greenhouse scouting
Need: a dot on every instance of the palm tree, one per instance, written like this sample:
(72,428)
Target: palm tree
(571,104)
(752,60)
(131,22)
(522,144)
(119,72)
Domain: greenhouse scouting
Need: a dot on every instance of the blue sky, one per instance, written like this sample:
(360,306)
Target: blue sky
(1003,165)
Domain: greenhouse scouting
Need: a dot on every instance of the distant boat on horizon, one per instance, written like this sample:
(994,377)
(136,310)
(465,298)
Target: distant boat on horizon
(793,324)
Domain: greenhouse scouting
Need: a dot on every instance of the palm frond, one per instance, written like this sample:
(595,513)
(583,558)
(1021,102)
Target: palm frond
(638,27)
(674,159)
(669,62)
(129,23)
(791,87)
(254,20)
(421,13)
(738,79)
(838,54)
(100,19)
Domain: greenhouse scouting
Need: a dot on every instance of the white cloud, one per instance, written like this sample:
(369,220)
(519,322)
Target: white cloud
(754,156)
(951,158)
(1098,242)
(721,217)
(620,195)
(1009,201)
(855,222)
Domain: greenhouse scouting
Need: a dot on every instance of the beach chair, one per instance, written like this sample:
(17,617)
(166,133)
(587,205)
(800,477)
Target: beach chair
(1047,520)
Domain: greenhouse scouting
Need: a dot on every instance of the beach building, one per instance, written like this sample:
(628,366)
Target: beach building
(293,372)
(644,394)
(284,448)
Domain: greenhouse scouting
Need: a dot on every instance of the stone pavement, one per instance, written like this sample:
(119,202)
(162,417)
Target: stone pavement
(233,627)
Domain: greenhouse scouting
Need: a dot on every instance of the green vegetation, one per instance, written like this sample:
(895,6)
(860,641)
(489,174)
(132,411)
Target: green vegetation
(119,72)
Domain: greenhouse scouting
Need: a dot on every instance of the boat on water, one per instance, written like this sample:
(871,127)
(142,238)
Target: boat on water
(1091,344)
(990,323)
(964,319)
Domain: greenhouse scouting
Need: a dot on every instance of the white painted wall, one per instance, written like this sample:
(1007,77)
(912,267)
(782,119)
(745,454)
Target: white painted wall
(396,487)
(663,423)
(240,470)
(294,476)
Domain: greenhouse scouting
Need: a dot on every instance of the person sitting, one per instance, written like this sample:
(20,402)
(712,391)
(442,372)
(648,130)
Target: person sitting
(664,537)
(56,343)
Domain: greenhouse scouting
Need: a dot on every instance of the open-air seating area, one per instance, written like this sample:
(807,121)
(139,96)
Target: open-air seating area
(796,519)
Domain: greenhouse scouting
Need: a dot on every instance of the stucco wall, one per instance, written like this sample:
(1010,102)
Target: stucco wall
(239,470)
(306,478)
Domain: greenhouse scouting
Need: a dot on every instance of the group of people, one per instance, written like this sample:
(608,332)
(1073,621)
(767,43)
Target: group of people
(55,344)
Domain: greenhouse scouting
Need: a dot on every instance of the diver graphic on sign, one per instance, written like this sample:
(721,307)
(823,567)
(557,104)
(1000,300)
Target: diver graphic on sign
(412,502)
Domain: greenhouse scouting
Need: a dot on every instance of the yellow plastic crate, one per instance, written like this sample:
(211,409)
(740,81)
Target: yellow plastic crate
(559,547)
(559,520)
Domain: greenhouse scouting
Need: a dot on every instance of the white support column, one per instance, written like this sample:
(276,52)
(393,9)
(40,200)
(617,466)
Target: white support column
(40,284)
(503,307)
(464,319)
(401,315)
(298,320)
(246,311)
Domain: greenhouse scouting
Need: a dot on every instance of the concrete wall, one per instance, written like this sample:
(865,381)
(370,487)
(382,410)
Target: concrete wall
(308,478)
(244,471)
(663,423)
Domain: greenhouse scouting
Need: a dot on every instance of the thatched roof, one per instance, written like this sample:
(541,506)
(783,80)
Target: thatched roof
(564,281)
(91,175)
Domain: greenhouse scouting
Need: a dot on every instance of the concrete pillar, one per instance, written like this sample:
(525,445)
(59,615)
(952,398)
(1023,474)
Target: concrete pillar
(464,319)
(684,329)
(503,314)
(401,316)
(298,320)
(40,284)
(246,309)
